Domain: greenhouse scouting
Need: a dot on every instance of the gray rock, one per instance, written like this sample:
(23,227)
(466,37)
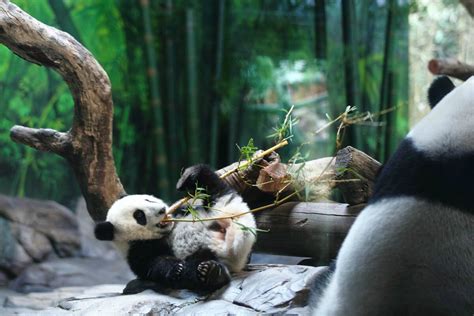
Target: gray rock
(90,246)
(262,289)
(4,279)
(36,245)
(38,301)
(53,220)
(56,273)
(14,258)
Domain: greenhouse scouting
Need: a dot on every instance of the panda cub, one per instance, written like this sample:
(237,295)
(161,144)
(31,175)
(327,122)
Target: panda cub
(411,250)
(182,255)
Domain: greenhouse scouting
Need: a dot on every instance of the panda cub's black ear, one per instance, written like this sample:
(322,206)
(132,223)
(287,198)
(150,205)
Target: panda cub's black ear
(438,89)
(104,231)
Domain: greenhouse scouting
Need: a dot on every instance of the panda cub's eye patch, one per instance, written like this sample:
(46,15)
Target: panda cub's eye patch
(140,217)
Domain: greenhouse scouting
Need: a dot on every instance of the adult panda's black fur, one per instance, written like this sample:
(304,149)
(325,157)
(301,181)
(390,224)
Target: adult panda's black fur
(411,250)
(196,256)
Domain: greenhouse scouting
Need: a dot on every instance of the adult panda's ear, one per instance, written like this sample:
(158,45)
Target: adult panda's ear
(438,89)
(104,231)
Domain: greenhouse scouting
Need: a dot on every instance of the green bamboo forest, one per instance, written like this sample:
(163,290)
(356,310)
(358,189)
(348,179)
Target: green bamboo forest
(194,80)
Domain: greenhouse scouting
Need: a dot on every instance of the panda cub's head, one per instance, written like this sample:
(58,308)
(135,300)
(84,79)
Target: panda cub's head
(134,217)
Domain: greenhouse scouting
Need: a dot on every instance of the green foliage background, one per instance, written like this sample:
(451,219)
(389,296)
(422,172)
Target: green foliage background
(205,75)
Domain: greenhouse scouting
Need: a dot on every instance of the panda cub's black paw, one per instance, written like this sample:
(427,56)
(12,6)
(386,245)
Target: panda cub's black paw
(138,286)
(213,274)
(201,176)
(177,271)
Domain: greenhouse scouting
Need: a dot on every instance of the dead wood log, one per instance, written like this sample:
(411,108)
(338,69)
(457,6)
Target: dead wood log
(313,230)
(352,171)
(87,146)
(451,67)
(355,175)
(263,180)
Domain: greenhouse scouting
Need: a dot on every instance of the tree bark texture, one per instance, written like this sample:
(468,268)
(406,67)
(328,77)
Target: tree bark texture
(355,175)
(314,230)
(87,146)
(451,67)
(352,171)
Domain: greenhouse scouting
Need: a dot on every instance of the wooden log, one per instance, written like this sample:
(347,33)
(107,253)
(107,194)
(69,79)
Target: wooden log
(314,230)
(273,178)
(451,67)
(352,171)
(244,181)
(315,179)
(355,175)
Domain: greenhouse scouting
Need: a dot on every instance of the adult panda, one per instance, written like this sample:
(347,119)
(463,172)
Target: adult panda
(197,256)
(411,250)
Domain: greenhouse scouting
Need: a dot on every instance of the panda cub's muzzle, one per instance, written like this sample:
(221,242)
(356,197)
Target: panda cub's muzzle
(165,225)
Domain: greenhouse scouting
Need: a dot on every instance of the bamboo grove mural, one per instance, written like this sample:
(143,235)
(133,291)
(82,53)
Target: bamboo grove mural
(194,79)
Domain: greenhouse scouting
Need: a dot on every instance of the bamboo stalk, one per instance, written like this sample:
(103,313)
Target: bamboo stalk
(217,78)
(171,103)
(384,86)
(63,18)
(193,111)
(161,159)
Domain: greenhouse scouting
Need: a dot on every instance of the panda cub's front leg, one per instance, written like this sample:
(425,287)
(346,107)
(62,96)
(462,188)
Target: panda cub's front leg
(204,177)
(169,271)
(157,274)
(213,274)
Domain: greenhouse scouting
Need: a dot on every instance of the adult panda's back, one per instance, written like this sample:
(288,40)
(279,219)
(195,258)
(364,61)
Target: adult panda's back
(404,256)
(410,251)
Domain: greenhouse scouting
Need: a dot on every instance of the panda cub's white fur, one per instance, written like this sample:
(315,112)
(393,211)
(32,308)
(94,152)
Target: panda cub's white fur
(229,241)
(126,228)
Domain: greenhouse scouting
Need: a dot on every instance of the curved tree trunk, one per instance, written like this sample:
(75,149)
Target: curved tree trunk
(88,144)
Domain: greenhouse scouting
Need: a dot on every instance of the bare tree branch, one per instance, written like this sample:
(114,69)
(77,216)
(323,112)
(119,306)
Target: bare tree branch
(43,139)
(451,67)
(353,164)
(88,144)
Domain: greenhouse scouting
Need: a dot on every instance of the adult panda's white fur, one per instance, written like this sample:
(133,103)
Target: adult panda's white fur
(411,250)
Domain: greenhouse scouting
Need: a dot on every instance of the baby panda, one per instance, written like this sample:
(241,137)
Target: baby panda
(411,250)
(185,255)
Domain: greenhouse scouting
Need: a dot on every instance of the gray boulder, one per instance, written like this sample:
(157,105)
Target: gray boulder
(32,231)
(66,272)
(49,218)
(90,246)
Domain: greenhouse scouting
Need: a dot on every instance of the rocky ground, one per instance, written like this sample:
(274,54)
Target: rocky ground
(276,289)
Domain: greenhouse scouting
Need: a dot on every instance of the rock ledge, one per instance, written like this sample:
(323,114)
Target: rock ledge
(260,289)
